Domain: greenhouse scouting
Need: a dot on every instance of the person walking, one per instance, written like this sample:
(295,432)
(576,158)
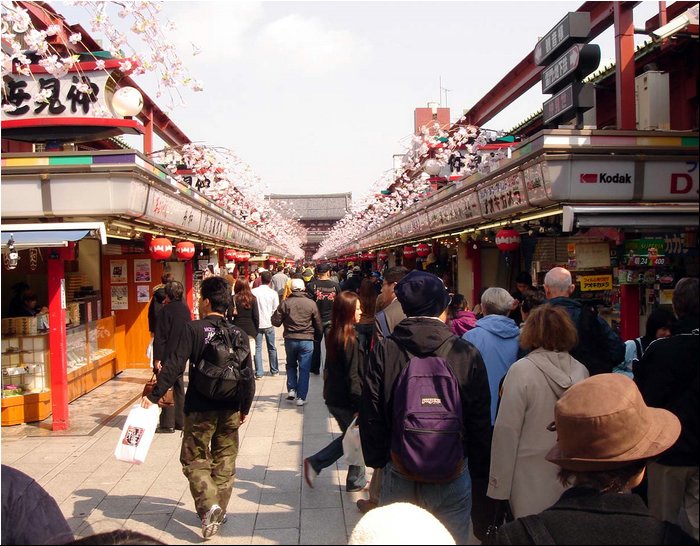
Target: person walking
(599,348)
(459,318)
(323,291)
(604,437)
(247,316)
(667,376)
(210,438)
(169,327)
(279,280)
(268,301)
(342,387)
(519,474)
(658,325)
(302,325)
(424,340)
(368,302)
(154,307)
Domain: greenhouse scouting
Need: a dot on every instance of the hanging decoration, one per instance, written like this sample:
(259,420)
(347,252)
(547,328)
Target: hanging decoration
(507,240)
(184,251)
(383,255)
(230,254)
(409,252)
(243,256)
(423,250)
(160,248)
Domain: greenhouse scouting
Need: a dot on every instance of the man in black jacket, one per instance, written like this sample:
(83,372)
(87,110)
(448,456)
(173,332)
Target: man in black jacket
(210,439)
(424,299)
(323,291)
(667,376)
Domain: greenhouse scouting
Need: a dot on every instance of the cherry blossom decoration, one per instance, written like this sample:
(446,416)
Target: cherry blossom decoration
(158,55)
(231,183)
(394,192)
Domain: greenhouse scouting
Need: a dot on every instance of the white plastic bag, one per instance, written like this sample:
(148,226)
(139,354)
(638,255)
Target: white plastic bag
(137,434)
(352,447)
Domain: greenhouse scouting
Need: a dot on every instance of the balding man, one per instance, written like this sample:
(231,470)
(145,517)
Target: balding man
(599,348)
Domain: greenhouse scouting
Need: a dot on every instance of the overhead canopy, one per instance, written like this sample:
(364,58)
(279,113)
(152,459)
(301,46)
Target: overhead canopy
(630,216)
(51,235)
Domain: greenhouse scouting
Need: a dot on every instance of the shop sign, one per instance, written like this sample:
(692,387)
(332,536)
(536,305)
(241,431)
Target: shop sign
(591,180)
(592,255)
(213,226)
(504,195)
(644,252)
(165,209)
(671,180)
(534,184)
(590,283)
(573,28)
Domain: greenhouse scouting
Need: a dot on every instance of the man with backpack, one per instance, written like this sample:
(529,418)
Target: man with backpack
(599,348)
(218,398)
(425,411)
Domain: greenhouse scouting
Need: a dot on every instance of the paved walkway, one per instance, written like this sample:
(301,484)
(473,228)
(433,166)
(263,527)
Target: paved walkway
(271,504)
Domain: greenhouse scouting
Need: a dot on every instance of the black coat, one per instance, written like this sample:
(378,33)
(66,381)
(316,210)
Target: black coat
(155,306)
(667,376)
(423,336)
(169,326)
(586,516)
(342,386)
(247,319)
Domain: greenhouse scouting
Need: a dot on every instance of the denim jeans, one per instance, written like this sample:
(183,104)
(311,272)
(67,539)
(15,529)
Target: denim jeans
(269,334)
(451,503)
(299,353)
(332,452)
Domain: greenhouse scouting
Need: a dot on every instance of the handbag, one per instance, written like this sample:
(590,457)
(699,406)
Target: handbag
(167,400)
(352,446)
(501,515)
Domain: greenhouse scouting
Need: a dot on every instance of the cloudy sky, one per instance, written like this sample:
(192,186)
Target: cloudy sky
(318,96)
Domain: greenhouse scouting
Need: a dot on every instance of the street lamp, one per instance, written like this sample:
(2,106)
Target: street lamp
(127,102)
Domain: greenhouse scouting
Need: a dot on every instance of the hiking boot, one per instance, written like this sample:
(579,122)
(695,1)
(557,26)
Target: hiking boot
(292,394)
(211,521)
(365,505)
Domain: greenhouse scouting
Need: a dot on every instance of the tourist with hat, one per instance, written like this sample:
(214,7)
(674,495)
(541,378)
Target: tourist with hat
(605,436)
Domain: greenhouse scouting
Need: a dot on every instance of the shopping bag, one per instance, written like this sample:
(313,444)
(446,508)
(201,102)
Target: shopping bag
(352,447)
(137,434)
(165,401)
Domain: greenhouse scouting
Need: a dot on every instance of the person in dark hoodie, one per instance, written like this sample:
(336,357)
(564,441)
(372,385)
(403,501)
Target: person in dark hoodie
(342,386)
(423,333)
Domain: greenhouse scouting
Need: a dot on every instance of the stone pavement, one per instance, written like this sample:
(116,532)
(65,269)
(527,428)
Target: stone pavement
(271,503)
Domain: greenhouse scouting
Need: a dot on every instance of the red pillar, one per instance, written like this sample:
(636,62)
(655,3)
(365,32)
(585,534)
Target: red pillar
(624,72)
(189,285)
(629,311)
(57,341)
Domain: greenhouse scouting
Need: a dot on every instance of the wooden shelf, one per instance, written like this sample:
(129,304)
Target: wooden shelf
(26,408)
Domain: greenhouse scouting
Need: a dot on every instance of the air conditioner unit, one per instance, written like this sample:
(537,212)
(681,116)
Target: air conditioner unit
(653,101)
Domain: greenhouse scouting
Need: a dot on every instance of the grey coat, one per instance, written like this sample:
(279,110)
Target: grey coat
(519,471)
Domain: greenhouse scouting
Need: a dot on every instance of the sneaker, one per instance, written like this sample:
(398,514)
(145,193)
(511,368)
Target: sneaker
(274,374)
(211,521)
(300,401)
(258,377)
(224,519)
(292,394)
(365,505)
(309,473)
(355,488)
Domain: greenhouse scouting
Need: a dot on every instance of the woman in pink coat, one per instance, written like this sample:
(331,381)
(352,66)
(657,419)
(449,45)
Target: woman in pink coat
(459,318)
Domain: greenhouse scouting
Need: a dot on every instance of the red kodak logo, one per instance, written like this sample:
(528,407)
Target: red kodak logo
(589,178)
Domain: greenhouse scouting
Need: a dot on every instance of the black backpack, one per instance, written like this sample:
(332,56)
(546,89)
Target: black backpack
(592,350)
(222,365)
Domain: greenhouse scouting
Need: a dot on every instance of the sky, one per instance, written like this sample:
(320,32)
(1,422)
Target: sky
(319,96)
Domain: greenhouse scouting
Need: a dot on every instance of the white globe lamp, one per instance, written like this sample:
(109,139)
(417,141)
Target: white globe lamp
(432,167)
(127,102)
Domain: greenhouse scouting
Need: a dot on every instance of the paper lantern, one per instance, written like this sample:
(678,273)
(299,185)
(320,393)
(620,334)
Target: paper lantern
(160,248)
(507,240)
(409,252)
(369,257)
(230,254)
(382,255)
(422,250)
(184,251)
(273,260)
(127,102)
(243,256)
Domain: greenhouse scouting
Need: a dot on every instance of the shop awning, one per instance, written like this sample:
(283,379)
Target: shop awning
(630,216)
(51,235)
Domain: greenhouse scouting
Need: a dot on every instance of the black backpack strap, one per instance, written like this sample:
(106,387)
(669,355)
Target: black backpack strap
(640,349)
(536,530)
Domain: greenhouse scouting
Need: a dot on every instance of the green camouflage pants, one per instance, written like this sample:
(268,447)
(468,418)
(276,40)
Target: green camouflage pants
(210,471)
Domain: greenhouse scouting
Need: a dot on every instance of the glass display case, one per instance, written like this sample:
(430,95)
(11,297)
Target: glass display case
(25,364)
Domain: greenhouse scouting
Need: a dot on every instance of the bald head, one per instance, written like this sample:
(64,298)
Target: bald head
(557,283)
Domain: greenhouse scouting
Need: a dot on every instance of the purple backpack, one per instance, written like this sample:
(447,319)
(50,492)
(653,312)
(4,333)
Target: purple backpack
(426,436)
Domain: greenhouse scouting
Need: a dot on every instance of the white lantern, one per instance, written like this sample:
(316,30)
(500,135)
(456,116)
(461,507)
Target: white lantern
(127,102)
(432,167)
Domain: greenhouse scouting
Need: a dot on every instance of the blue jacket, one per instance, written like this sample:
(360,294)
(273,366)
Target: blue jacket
(496,337)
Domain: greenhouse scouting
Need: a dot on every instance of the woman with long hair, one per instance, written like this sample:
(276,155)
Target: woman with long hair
(246,314)
(368,301)
(459,318)
(342,387)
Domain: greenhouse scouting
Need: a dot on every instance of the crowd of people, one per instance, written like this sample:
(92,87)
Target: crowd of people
(527,404)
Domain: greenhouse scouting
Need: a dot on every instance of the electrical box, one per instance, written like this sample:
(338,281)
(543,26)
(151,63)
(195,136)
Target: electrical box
(653,101)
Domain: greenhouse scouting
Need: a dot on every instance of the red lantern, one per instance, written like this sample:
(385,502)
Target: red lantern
(507,239)
(409,252)
(370,257)
(273,260)
(184,251)
(382,255)
(160,248)
(422,250)
(230,254)
(243,256)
